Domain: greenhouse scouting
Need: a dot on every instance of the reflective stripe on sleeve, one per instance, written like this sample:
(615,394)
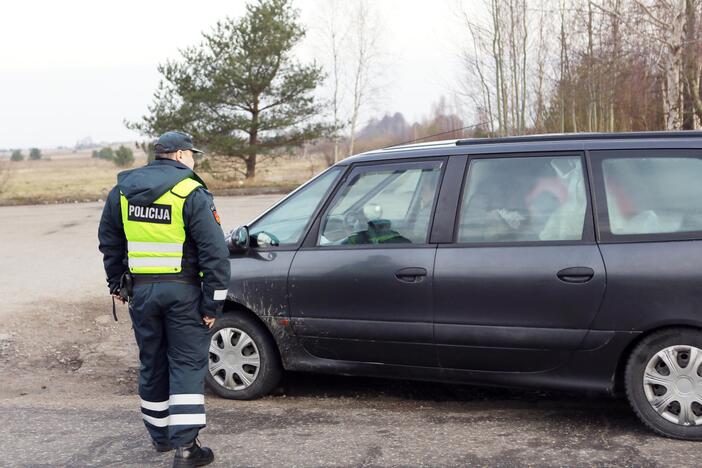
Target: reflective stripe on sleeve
(220,294)
(169,262)
(160,247)
(158,422)
(154,405)
(187,399)
(187,420)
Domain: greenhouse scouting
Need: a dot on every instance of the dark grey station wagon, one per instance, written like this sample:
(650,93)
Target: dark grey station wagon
(553,261)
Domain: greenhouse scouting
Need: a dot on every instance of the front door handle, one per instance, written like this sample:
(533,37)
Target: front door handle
(576,274)
(411,274)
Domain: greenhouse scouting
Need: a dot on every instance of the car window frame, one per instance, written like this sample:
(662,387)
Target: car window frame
(597,158)
(310,241)
(588,236)
(343,170)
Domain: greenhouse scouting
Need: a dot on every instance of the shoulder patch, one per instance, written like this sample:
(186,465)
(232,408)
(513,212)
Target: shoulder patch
(215,214)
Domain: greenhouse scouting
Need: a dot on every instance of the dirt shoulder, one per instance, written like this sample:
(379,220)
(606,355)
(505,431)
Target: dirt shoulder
(69,399)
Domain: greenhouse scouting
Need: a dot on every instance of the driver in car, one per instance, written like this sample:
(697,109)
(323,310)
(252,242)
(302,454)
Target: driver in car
(379,232)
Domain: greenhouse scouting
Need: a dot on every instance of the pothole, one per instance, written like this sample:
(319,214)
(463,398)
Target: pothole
(66,357)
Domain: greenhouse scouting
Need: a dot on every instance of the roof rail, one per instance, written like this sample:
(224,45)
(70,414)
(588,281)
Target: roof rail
(581,136)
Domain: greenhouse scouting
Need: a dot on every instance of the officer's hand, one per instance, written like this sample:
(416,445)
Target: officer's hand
(209,321)
(119,298)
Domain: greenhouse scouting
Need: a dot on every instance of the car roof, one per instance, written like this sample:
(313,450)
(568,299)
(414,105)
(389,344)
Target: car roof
(563,142)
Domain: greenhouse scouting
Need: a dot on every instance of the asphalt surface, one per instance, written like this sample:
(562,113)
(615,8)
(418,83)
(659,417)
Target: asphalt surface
(68,381)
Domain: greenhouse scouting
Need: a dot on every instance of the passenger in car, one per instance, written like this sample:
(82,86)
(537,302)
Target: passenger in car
(564,222)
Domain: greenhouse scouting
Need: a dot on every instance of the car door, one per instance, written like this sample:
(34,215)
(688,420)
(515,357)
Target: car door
(361,286)
(259,275)
(650,226)
(520,284)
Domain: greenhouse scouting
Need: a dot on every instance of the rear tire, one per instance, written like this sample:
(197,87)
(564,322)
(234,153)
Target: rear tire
(664,382)
(244,363)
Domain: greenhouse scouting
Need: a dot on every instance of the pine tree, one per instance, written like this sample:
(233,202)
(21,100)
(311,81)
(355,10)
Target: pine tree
(240,93)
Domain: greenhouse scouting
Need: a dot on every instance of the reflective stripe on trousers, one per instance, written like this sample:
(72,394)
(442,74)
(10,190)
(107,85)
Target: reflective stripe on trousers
(169,412)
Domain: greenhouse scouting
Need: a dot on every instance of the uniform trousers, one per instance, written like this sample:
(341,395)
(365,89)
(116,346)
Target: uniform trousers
(173,351)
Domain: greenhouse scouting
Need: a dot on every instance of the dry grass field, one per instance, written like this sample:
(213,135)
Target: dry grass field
(65,176)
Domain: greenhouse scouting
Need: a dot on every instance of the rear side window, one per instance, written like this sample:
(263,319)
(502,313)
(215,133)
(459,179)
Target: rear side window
(653,195)
(523,199)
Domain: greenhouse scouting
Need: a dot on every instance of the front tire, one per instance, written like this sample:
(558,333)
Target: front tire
(664,382)
(243,359)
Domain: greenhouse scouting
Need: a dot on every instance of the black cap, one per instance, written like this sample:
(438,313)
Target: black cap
(170,142)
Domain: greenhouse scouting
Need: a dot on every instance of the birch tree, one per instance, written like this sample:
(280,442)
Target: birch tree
(334,34)
(364,38)
(667,21)
(498,63)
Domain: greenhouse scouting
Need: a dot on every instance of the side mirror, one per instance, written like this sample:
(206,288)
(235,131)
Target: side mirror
(239,240)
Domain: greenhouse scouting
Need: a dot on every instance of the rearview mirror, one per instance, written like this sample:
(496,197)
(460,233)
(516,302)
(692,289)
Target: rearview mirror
(239,240)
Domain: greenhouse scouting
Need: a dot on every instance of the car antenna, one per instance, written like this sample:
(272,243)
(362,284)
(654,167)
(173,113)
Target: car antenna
(437,134)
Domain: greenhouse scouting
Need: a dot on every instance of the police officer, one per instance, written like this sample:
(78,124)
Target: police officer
(159,224)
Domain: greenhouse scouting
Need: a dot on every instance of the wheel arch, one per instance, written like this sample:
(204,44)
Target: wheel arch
(626,353)
(232,307)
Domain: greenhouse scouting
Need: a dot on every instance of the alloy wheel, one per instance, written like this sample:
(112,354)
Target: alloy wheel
(234,359)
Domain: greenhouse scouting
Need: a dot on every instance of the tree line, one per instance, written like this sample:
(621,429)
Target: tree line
(576,65)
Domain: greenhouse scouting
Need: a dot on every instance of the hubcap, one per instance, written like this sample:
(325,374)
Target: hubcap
(234,358)
(673,385)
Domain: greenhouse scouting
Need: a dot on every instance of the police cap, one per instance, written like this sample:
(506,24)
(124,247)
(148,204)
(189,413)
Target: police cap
(170,142)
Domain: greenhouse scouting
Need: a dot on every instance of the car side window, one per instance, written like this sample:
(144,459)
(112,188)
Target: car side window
(653,195)
(387,204)
(285,224)
(522,199)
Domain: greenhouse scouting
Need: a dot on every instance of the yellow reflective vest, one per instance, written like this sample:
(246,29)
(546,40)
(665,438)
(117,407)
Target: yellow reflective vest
(156,233)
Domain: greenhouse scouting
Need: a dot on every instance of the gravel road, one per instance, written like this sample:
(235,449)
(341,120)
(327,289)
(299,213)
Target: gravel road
(68,381)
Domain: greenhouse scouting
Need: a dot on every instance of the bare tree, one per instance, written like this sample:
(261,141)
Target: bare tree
(364,39)
(693,68)
(667,21)
(502,70)
(335,34)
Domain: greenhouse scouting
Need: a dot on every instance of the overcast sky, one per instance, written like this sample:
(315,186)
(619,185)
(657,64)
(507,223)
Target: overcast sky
(76,68)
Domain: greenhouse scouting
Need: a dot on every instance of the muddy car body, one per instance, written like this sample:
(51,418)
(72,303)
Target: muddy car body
(557,261)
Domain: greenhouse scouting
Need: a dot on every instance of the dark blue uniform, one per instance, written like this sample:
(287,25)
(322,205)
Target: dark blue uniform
(167,313)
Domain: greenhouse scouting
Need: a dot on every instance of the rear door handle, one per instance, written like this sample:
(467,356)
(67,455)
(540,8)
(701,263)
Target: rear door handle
(411,275)
(576,274)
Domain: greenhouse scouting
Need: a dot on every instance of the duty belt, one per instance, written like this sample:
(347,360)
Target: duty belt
(151,279)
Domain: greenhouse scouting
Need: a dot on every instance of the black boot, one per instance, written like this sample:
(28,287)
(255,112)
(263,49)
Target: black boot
(192,455)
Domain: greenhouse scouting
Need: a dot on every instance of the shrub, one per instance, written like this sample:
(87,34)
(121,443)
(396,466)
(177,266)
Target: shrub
(17,155)
(124,157)
(105,153)
(35,154)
